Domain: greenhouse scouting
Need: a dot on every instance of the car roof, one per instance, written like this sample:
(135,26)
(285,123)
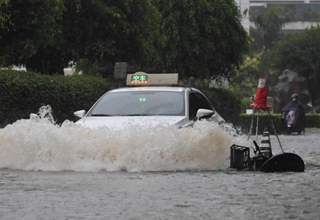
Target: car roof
(150,88)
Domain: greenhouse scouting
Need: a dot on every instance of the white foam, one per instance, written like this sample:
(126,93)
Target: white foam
(39,144)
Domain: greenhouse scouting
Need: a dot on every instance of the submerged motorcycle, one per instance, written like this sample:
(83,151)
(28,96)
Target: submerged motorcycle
(264,160)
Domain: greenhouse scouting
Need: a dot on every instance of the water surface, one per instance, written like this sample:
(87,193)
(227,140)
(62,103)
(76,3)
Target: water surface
(69,172)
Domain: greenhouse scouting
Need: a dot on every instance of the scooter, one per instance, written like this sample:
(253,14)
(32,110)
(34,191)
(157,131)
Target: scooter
(293,121)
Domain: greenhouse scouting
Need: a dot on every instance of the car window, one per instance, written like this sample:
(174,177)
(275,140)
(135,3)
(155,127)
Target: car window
(140,103)
(197,101)
(193,106)
(202,101)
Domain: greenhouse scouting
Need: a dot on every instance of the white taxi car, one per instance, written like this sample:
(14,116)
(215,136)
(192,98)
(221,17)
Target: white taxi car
(150,100)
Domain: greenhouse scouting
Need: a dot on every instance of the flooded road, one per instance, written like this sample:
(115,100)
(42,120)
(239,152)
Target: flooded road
(67,172)
(159,195)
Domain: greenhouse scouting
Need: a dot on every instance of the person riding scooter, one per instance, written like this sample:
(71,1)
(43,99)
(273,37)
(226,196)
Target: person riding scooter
(293,116)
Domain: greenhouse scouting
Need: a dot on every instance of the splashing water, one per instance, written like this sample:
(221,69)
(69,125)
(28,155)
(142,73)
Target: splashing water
(39,144)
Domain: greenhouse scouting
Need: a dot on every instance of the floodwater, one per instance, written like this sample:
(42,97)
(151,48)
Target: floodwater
(69,172)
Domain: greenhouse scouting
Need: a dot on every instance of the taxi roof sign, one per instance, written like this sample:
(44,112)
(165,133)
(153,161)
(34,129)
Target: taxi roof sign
(142,78)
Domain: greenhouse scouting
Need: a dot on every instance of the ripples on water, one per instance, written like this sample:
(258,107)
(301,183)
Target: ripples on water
(39,144)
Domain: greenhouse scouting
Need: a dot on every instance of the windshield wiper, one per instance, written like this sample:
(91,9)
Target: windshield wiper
(135,115)
(100,115)
(106,115)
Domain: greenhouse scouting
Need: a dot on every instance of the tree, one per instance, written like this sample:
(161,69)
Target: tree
(196,38)
(27,26)
(246,79)
(268,25)
(4,16)
(202,38)
(106,32)
(300,52)
(266,32)
(46,34)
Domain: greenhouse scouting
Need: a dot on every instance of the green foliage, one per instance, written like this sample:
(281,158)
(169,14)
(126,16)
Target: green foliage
(300,52)
(46,34)
(246,80)
(267,31)
(29,26)
(202,38)
(195,38)
(313,120)
(23,93)
(4,16)
(106,32)
(227,103)
(245,104)
(87,67)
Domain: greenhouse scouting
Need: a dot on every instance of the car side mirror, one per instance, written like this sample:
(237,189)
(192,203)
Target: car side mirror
(80,113)
(204,113)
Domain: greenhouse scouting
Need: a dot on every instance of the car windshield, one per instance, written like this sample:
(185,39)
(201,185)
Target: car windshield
(140,103)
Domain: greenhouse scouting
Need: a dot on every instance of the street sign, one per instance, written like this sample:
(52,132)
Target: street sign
(120,70)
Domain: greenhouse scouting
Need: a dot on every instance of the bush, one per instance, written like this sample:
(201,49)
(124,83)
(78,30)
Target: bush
(313,120)
(245,104)
(227,104)
(265,120)
(244,122)
(23,93)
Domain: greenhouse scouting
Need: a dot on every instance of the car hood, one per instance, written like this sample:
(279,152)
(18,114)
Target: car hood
(118,123)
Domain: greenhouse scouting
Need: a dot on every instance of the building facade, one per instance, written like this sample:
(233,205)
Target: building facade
(301,13)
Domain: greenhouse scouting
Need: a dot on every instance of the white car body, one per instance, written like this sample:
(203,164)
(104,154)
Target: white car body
(150,107)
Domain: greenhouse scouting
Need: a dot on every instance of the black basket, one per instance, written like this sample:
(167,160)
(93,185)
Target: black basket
(239,157)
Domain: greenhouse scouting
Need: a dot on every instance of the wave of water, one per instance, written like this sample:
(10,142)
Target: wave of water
(40,144)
